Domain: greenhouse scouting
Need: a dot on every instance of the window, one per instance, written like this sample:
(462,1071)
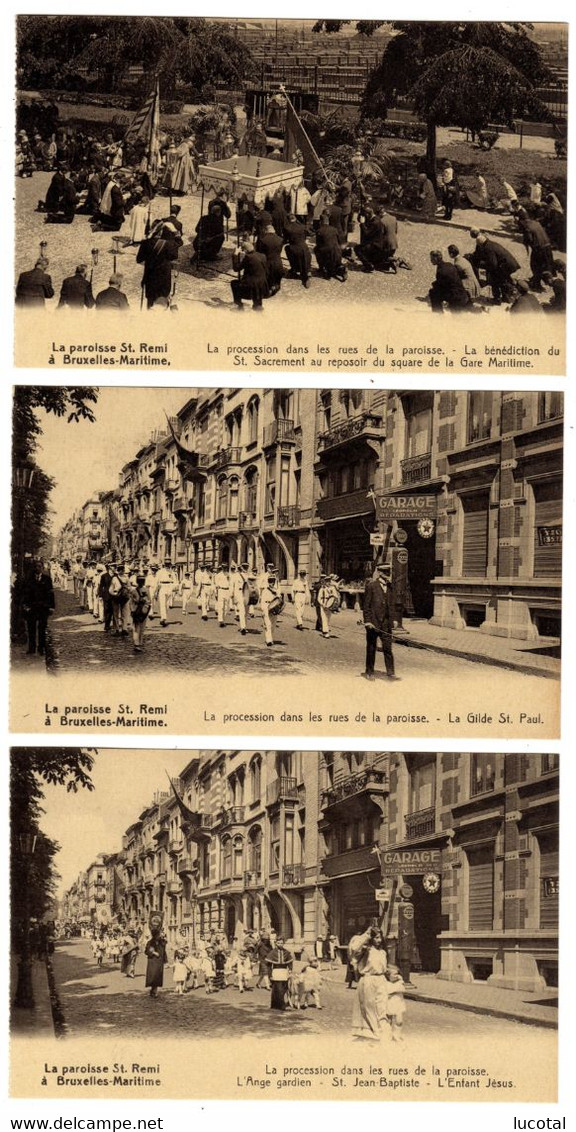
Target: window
(419,433)
(289,839)
(422,784)
(475,534)
(482,775)
(251,491)
(255,850)
(549,763)
(253,415)
(222,498)
(226,858)
(233,492)
(479,415)
(549,879)
(550,405)
(255,779)
(481,889)
(275,845)
(238,857)
(547,528)
(270,485)
(326,402)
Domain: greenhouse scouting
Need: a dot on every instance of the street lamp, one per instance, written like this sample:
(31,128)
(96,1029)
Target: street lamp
(24,997)
(357,162)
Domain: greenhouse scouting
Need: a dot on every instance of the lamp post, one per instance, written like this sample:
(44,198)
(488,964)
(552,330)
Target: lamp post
(24,997)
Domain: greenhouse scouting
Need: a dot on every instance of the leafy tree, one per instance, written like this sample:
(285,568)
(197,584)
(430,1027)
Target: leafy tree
(30,506)
(33,878)
(457,74)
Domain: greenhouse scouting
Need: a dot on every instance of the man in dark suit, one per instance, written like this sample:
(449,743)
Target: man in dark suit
(34,287)
(112,298)
(498,263)
(378,620)
(76,290)
(37,604)
(447,286)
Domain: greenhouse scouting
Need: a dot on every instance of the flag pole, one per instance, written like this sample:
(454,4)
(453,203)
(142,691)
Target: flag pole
(303,128)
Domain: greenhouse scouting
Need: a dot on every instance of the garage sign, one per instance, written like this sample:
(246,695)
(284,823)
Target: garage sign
(389,507)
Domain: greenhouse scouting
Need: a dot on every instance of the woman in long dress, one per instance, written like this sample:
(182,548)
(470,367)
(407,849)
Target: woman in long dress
(369,1020)
(184,171)
(155,952)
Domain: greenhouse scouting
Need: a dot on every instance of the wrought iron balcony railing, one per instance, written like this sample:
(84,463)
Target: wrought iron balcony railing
(366,423)
(280,429)
(252,878)
(281,789)
(293,875)
(287,517)
(369,780)
(417,468)
(420,823)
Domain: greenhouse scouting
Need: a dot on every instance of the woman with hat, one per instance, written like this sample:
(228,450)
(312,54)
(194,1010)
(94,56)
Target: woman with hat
(369,1019)
(156,954)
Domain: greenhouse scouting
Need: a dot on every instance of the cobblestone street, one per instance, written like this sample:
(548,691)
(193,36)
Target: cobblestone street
(101,999)
(71,244)
(188,642)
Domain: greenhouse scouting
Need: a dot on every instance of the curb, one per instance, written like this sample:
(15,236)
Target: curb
(494,662)
(490,1011)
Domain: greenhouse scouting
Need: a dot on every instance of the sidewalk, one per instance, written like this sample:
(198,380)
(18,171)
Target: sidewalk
(535,658)
(39,1020)
(535,1009)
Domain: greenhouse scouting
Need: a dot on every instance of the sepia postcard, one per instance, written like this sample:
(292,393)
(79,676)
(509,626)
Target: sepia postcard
(287,561)
(374,196)
(285,925)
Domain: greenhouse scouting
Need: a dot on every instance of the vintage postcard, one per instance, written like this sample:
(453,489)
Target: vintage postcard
(373,926)
(287,561)
(376,197)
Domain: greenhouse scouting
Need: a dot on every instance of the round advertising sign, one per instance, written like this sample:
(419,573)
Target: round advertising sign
(401,536)
(402,556)
(406,891)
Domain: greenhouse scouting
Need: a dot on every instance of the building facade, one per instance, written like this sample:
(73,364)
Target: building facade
(311,844)
(461,491)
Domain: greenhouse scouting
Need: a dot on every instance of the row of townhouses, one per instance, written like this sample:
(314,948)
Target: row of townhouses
(464,487)
(311,844)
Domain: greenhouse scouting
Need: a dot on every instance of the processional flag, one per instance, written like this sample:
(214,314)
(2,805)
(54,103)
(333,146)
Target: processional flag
(191,821)
(146,126)
(186,456)
(296,138)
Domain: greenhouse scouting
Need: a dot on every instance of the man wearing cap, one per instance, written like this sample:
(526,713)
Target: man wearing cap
(328,601)
(271,602)
(223,594)
(151,584)
(140,606)
(378,620)
(204,584)
(300,597)
(120,594)
(240,593)
(104,599)
(264,575)
(185,591)
(165,583)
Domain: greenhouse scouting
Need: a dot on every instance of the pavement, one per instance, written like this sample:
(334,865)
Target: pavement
(99,1000)
(187,641)
(537,1009)
(37,1021)
(69,245)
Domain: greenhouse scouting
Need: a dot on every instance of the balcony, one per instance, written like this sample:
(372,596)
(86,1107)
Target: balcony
(247,521)
(226,456)
(252,879)
(279,430)
(417,468)
(287,517)
(421,823)
(365,426)
(370,781)
(231,815)
(186,867)
(172,485)
(293,875)
(360,860)
(175,845)
(180,504)
(281,790)
(346,506)
(174,887)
